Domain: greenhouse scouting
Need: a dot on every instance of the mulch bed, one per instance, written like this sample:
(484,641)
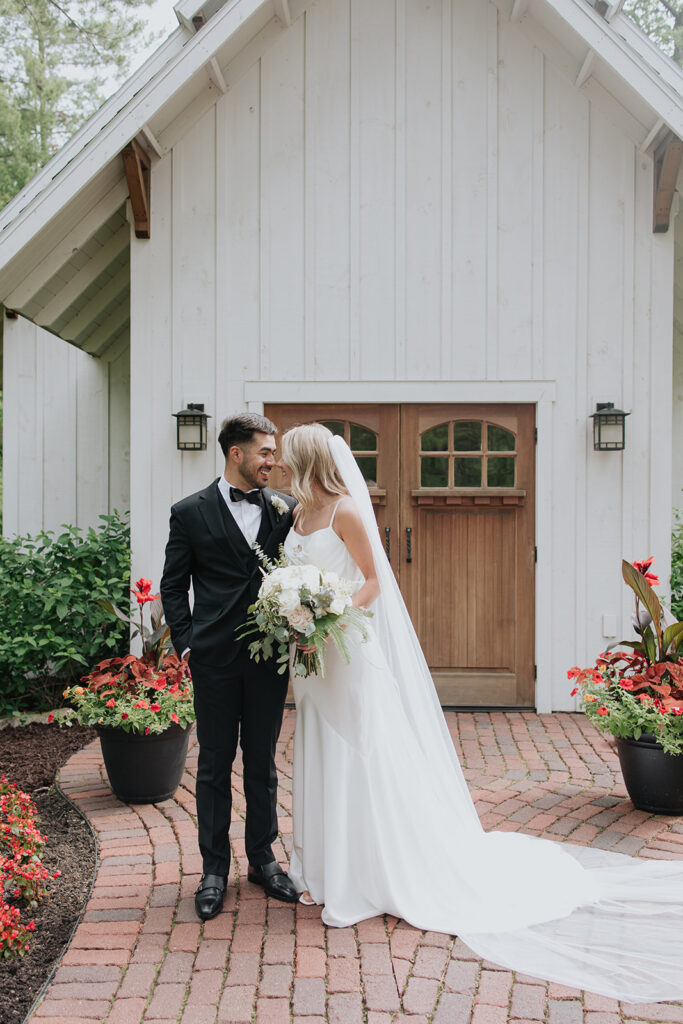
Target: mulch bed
(30,756)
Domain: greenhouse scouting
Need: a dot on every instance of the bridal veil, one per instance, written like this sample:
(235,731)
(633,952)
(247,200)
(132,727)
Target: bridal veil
(586,918)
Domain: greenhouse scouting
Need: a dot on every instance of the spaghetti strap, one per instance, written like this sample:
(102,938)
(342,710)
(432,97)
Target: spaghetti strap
(334,512)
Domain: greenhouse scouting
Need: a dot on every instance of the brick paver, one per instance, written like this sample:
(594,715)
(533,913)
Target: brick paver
(139,956)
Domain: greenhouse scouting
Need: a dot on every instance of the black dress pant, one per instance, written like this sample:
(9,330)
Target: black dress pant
(244,702)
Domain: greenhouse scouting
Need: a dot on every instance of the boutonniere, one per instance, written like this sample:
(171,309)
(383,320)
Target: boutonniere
(280,506)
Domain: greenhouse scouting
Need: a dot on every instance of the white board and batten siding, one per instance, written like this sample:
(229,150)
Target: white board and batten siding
(66,441)
(411,201)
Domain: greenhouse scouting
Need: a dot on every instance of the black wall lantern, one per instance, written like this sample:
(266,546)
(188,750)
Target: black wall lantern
(609,428)
(192,427)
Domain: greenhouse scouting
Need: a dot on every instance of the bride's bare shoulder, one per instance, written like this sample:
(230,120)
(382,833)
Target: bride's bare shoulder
(346,515)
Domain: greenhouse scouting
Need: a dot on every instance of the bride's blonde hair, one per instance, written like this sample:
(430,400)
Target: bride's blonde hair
(306,451)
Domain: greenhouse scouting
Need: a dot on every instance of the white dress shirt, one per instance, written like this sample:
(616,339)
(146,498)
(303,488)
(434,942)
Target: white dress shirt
(246,515)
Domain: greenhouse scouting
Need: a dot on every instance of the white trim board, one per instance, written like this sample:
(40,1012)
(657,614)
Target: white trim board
(538,392)
(373,392)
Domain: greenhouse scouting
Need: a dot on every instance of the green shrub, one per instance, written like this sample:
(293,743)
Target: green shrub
(677,565)
(52,629)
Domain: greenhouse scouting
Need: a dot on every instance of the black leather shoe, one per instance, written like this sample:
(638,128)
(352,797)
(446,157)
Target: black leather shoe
(208,899)
(274,880)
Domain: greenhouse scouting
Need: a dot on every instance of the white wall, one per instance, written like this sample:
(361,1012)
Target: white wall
(416,192)
(58,465)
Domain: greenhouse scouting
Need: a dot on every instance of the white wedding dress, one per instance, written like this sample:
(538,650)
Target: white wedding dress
(383,822)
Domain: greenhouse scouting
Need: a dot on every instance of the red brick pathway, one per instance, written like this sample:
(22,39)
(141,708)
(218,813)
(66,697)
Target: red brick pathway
(140,954)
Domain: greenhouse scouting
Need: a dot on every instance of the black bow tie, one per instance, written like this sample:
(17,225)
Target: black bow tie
(252,496)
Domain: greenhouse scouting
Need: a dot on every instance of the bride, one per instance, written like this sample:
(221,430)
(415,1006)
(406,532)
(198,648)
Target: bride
(383,820)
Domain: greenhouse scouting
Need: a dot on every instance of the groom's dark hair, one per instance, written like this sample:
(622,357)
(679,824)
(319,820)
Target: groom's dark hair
(240,429)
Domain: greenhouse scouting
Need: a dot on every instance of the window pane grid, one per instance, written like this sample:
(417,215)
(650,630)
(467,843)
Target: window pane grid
(478,454)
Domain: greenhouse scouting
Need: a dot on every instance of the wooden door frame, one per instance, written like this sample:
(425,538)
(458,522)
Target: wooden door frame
(540,393)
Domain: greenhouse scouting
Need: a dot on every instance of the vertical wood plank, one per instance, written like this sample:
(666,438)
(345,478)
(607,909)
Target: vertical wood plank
(375,68)
(564,248)
(327,190)
(120,433)
(492,170)
(92,437)
(238,253)
(423,212)
(194,287)
(155,473)
(611,189)
(473,188)
(518,83)
(282,207)
(57,383)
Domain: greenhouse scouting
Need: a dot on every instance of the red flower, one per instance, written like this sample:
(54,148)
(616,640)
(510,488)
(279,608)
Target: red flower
(141,704)
(110,703)
(155,707)
(141,593)
(602,710)
(574,692)
(626,684)
(642,568)
(174,717)
(677,711)
(573,672)
(147,730)
(50,717)
(124,715)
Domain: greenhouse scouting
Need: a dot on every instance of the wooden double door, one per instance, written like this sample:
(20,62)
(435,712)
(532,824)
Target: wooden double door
(453,492)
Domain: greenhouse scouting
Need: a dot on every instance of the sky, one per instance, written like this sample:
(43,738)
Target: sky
(160,17)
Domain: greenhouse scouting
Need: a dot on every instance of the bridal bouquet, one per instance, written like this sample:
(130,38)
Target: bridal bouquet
(300,607)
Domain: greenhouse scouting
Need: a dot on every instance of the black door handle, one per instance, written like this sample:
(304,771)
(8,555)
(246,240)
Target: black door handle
(387,542)
(409,543)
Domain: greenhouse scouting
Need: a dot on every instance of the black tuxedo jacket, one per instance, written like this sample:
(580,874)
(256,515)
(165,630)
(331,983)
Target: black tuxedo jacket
(207,549)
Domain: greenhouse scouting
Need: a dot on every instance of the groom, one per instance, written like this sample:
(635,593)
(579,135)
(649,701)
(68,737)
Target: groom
(210,547)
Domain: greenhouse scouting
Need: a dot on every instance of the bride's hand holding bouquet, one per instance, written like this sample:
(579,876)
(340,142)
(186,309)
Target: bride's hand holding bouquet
(300,607)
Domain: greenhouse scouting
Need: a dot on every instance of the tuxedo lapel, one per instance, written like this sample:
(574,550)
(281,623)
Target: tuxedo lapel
(222,525)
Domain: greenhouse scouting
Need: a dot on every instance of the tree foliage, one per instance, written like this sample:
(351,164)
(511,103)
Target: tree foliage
(662,20)
(55,58)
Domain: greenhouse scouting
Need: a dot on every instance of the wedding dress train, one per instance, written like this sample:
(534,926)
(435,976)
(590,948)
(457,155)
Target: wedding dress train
(383,820)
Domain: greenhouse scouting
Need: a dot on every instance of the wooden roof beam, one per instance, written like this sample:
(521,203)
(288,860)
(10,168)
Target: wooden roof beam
(667,163)
(136,164)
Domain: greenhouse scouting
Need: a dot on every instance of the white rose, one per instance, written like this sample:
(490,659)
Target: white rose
(269,585)
(338,605)
(310,577)
(288,601)
(299,618)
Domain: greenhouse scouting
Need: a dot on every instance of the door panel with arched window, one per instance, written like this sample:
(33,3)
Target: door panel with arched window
(453,491)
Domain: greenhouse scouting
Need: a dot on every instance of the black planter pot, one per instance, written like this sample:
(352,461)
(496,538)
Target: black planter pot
(144,769)
(654,780)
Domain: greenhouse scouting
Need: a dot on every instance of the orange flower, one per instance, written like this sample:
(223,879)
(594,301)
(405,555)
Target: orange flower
(174,717)
(110,703)
(141,704)
(590,697)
